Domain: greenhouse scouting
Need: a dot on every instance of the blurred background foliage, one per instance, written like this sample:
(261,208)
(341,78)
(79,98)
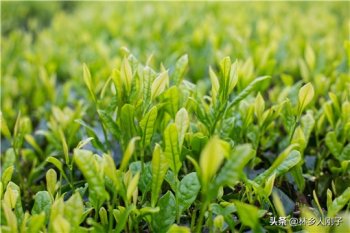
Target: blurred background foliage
(45,43)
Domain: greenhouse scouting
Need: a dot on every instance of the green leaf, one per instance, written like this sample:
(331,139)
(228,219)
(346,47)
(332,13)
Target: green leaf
(42,203)
(307,124)
(126,75)
(172,99)
(249,89)
(87,164)
(145,183)
(284,162)
(188,190)
(307,214)
(339,202)
(128,153)
(55,162)
(269,184)
(172,150)
(159,84)
(215,86)
(182,122)
(180,68)
(162,220)
(259,106)
(178,229)
(9,160)
(7,175)
(148,76)
(147,126)
(333,145)
(127,122)
(10,218)
(121,215)
(36,222)
(310,57)
(4,127)
(231,172)
(110,171)
(159,169)
(233,79)
(132,186)
(305,96)
(248,214)
(88,81)
(73,210)
(345,154)
(60,224)
(51,181)
(109,123)
(211,158)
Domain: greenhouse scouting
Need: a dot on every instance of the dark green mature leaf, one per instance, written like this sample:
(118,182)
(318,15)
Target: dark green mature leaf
(166,215)
(42,203)
(188,190)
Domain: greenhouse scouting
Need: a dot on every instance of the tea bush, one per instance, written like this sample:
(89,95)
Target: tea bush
(168,117)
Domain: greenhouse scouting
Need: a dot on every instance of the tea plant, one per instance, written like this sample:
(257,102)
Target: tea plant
(197,143)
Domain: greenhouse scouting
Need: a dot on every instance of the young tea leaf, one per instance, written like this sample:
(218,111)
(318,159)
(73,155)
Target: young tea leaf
(159,169)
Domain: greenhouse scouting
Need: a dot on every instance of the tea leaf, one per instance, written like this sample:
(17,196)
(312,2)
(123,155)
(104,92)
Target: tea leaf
(42,203)
(128,153)
(166,215)
(284,162)
(159,169)
(305,96)
(51,181)
(182,122)
(207,163)
(338,203)
(87,165)
(188,190)
(88,81)
(147,125)
(180,68)
(178,229)
(248,214)
(73,210)
(159,84)
(232,170)
(126,74)
(172,150)
(127,122)
(333,145)
(249,89)
(121,216)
